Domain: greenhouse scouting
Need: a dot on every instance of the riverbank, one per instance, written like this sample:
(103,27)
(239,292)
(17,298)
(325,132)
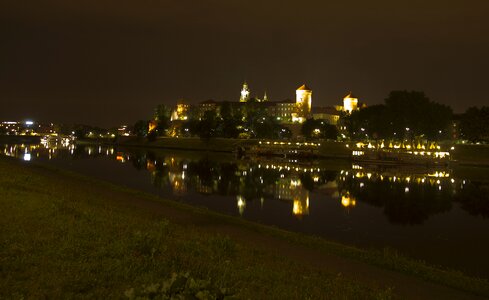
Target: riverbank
(64,235)
(328,149)
(19,139)
(464,155)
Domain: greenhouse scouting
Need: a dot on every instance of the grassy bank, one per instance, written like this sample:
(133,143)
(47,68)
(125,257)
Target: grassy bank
(65,236)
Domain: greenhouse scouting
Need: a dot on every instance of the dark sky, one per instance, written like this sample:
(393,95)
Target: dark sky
(110,62)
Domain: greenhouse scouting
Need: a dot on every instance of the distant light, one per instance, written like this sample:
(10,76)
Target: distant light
(28,123)
(406,190)
(27,157)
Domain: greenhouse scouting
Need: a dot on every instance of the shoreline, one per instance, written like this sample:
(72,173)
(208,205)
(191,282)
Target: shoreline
(464,155)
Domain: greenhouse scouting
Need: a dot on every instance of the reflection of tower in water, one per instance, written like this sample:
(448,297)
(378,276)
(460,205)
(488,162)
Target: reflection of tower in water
(291,189)
(241,203)
(348,201)
(176,175)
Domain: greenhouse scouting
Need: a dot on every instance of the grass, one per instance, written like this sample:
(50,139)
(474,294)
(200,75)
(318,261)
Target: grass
(59,240)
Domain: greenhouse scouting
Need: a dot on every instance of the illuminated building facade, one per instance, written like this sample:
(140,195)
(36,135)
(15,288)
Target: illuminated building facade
(208,105)
(291,113)
(180,112)
(328,114)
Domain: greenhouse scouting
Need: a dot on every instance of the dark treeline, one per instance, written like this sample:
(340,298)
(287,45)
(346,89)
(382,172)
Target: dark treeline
(408,115)
(405,115)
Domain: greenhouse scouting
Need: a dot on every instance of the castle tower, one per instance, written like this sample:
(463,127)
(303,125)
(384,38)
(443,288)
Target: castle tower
(350,103)
(245,93)
(303,102)
(265,97)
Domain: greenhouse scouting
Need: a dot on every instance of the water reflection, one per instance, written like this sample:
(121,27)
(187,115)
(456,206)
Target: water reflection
(407,196)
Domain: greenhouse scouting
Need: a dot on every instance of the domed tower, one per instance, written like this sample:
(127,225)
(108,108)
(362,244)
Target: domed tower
(245,93)
(350,103)
(303,102)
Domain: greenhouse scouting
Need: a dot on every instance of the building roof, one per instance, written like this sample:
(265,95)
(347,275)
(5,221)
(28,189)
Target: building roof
(286,101)
(325,110)
(304,87)
(210,101)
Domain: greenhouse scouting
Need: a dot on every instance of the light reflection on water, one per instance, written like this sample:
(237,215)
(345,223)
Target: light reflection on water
(432,214)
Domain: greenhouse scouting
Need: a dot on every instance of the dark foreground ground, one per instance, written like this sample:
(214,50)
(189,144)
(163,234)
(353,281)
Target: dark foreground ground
(67,236)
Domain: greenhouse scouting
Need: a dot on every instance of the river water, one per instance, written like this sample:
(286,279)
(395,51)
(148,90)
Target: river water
(437,215)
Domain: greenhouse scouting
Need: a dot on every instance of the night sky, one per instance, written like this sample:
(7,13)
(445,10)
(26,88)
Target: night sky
(106,62)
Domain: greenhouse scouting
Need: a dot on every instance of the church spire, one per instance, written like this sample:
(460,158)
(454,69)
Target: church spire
(245,93)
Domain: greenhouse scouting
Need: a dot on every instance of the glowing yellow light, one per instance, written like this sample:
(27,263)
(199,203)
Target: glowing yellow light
(241,203)
(348,201)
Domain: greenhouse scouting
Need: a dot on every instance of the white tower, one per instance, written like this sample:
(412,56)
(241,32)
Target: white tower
(350,103)
(303,102)
(245,93)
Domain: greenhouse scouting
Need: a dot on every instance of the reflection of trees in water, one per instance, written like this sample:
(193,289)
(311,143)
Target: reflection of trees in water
(417,205)
(139,162)
(307,181)
(474,198)
(229,178)
(206,170)
(404,203)
(229,183)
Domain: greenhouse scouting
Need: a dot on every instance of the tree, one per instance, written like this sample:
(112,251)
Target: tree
(208,125)
(319,129)
(474,124)
(405,115)
(412,111)
(231,121)
(141,128)
(162,117)
(267,127)
(255,114)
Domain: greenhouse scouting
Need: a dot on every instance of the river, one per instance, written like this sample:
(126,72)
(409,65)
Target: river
(437,215)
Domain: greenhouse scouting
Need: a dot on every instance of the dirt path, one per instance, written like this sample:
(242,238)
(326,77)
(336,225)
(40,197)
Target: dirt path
(404,286)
